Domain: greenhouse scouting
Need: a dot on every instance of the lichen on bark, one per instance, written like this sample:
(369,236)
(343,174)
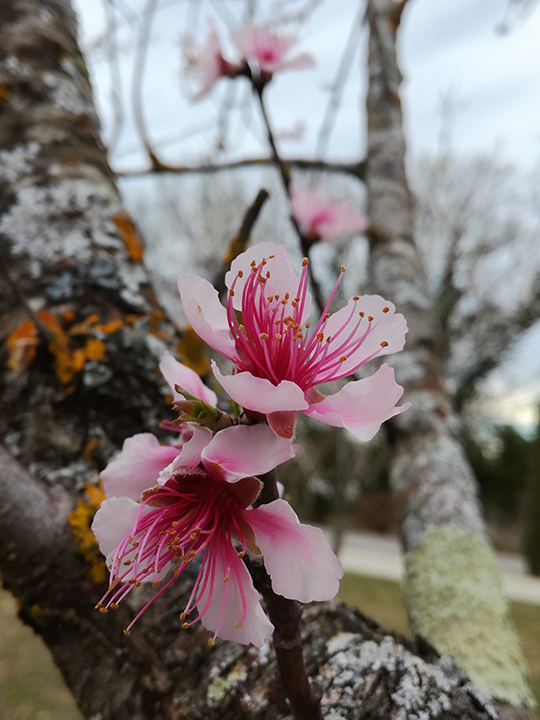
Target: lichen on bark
(453,594)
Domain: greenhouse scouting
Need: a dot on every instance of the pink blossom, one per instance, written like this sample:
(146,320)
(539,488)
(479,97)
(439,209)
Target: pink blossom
(202,507)
(206,63)
(320,218)
(280,358)
(267,51)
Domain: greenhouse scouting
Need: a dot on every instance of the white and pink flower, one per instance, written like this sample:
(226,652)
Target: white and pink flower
(201,506)
(206,63)
(279,359)
(266,52)
(323,219)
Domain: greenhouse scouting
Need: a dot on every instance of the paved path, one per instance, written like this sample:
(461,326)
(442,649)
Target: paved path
(380,556)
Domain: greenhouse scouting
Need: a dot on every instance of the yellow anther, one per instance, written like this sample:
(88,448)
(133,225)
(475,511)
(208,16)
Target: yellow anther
(305,261)
(276,297)
(268,273)
(342,358)
(384,343)
(127,562)
(361,314)
(226,578)
(192,554)
(308,324)
(114,606)
(355,298)
(231,293)
(182,616)
(326,316)
(270,298)
(286,296)
(278,336)
(253,263)
(320,337)
(211,642)
(264,261)
(262,279)
(98,605)
(240,274)
(263,336)
(127,632)
(241,554)
(103,610)
(370,318)
(271,256)
(185,626)
(385,310)
(239,624)
(342,269)
(155,584)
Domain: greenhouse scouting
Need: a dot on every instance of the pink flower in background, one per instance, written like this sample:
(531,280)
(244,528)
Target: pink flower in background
(201,507)
(206,63)
(268,51)
(322,219)
(280,358)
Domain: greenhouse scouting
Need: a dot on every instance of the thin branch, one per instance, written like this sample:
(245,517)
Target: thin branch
(338,85)
(116,78)
(285,175)
(356,169)
(239,242)
(138,74)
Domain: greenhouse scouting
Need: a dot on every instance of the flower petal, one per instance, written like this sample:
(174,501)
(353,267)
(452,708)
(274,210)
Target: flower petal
(112,522)
(387,327)
(282,277)
(191,452)
(300,563)
(259,394)
(244,450)
(226,603)
(137,466)
(176,373)
(362,406)
(205,313)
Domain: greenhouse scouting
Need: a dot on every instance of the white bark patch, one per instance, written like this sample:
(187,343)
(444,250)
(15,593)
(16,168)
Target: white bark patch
(17,162)
(12,68)
(66,220)
(65,93)
(423,691)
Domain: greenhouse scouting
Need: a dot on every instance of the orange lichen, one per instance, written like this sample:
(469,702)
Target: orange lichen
(193,351)
(80,521)
(5,94)
(95,349)
(128,233)
(22,345)
(88,454)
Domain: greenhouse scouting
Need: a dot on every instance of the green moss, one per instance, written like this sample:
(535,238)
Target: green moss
(453,594)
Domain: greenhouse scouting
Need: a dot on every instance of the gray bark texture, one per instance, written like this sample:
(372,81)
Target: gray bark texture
(81,335)
(452,584)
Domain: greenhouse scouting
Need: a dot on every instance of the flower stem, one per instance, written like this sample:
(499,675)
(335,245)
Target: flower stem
(285,175)
(285,616)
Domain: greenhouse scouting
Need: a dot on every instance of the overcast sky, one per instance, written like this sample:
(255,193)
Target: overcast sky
(447,48)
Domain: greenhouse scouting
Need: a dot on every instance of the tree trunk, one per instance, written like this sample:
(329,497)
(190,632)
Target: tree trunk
(452,583)
(81,336)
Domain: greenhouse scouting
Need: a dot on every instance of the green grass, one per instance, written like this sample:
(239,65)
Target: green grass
(382,600)
(31,688)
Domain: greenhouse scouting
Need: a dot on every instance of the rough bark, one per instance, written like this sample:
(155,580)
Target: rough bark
(81,381)
(452,583)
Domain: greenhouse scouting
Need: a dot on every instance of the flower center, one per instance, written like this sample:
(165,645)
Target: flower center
(191,515)
(273,342)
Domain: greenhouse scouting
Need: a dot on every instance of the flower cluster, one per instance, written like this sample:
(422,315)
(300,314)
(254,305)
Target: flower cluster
(196,501)
(262,53)
(168,506)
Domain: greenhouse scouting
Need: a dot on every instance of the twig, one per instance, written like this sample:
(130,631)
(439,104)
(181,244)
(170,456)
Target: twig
(338,85)
(138,73)
(240,240)
(116,79)
(285,615)
(286,180)
(356,169)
